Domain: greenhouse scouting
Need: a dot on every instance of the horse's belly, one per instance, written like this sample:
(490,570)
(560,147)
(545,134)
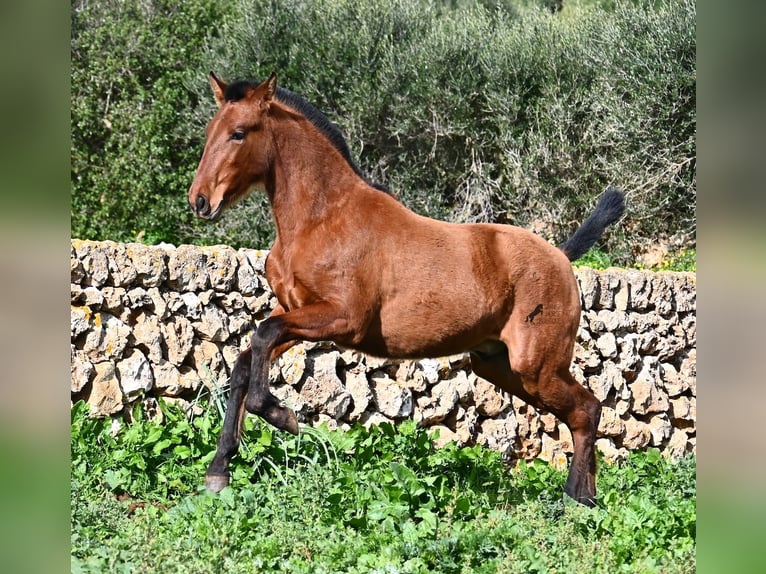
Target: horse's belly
(427,332)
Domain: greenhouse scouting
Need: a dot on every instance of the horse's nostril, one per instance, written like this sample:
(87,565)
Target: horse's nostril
(203,205)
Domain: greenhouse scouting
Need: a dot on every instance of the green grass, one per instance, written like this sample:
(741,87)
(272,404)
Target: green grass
(684,260)
(377,500)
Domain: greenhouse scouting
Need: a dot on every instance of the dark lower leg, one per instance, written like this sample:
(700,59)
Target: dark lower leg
(217,475)
(580,411)
(583,423)
(259,400)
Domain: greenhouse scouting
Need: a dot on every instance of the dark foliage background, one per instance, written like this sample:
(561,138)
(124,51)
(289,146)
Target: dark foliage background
(504,112)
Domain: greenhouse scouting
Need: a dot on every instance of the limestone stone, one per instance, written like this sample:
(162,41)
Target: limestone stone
(79,320)
(587,359)
(660,429)
(684,408)
(490,401)
(640,290)
(609,283)
(76,271)
(359,389)
(137,298)
(213,324)
(464,384)
(95,265)
(611,320)
(552,452)
(221,265)
(179,337)
(292,364)
(106,337)
(548,422)
(685,289)
(565,438)
(430,370)
(647,397)
(149,263)
(187,269)
(122,272)
(292,399)
(207,360)
(436,406)
(135,374)
(610,424)
(498,434)
(324,391)
(607,345)
(81,370)
(444,435)
(662,293)
(467,425)
(148,335)
(91,297)
(248,282)
(327,395)
(113,299)
(392,400)
(240,323)
(192,305)
(601,384)
(611,453)
(637,434)
(589,286)
(678,444)
(158,301)
(105,397)
(409,376)
(672,381)
(172,381)
(369,419)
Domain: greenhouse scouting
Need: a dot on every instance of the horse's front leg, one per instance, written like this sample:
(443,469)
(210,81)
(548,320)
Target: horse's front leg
(217,475)
(315,322)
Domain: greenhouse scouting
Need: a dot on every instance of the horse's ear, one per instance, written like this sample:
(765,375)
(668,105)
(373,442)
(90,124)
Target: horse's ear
(219,87)
(271,87)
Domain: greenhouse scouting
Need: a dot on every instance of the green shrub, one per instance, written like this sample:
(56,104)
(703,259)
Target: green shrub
(133,154)
(468,111)
(477,114)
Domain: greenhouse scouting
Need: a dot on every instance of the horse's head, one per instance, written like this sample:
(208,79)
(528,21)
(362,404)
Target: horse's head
(237,147)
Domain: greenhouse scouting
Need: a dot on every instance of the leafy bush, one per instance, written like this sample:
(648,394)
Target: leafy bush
(381,499)
(468,111)
(133,154)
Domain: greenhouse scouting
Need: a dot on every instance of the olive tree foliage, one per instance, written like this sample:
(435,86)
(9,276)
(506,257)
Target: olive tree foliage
(134,148)
(494,111)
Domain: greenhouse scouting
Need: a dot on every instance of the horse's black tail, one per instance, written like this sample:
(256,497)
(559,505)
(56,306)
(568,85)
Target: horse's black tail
(610,208)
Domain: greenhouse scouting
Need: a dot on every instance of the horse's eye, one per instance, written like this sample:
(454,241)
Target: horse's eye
(238,135)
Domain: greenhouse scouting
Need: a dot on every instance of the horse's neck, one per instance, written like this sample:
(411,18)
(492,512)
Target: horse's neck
(310,180)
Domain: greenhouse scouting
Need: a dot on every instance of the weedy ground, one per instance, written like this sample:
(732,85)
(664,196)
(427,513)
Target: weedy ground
(381,500)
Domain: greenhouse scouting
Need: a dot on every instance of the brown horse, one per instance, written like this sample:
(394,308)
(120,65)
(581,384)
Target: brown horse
(352,265)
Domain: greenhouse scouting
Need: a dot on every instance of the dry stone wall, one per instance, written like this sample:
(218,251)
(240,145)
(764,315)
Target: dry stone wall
(165,321)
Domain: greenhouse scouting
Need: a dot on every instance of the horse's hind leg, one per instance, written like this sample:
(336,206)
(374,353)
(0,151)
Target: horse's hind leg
(217,475)
(561,394)
(580,410)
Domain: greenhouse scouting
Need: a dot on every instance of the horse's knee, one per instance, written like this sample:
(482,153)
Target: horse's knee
(267,335)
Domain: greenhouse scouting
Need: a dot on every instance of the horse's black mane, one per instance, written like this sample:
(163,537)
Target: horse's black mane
(238,90)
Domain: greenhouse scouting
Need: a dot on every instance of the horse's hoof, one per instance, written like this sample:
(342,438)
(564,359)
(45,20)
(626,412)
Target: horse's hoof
(216,482)
(282,418)
(291,422)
